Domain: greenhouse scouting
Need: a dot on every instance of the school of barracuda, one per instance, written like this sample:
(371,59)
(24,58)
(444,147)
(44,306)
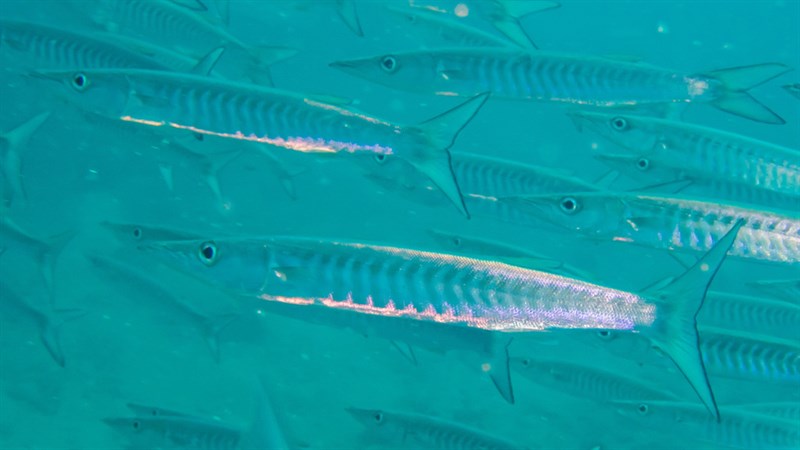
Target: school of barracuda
(219,239)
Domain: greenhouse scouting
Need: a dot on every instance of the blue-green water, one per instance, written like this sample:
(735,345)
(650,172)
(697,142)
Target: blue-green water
(132,330)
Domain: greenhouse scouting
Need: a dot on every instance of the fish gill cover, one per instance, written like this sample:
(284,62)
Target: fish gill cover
(399,224)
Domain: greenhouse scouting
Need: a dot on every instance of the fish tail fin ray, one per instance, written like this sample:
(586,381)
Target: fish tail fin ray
(406,350)
(207,63)
(738,80)
(346,9)
(514,10)
(679,301)
(441,131)
(500,372)
(261,58)
(49,254)
(211,329)
(51,332)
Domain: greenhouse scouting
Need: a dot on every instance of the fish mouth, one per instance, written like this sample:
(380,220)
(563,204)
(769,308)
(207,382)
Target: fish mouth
(582,119)
(343,65)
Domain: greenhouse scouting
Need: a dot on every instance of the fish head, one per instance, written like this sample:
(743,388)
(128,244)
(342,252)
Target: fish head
(414,72)
(370,418)
(128,233)
(130,425)
(591,213)
(101,92)
(639,166)
(635,134)
(238,266)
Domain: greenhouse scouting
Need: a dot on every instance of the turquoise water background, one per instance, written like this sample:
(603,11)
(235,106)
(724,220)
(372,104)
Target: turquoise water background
(80,171)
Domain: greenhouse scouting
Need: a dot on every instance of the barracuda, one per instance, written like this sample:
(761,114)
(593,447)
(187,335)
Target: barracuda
(202,106)
(482,180)
(741,168)
(575,79)
(419,431)
(755,314)
(52,48)
(675,223)
(451,289)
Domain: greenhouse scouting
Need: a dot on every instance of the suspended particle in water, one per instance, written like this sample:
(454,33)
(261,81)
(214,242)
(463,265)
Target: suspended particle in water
(462,10)
(662,28)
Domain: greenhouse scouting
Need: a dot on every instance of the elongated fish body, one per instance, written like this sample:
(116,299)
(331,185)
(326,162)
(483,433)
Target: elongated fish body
(745,356)
(202,106)
(483,181)
(421,285)
(406,430)
(735,429)
(390,281)
(761,316)
(183,432)
(426,26)
(163,21)
(42,47)
(780,410)
(702,154)
(669,222)
(572,79)
(586,381)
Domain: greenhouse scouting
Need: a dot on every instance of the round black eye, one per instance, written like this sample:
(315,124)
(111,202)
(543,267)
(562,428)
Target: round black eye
(605,334)
(378,417)
(208,253)
(643,164)
(137,233)
(642,408)
(619,123)
(389,64)
(380,158)
(569,205)
(79,81)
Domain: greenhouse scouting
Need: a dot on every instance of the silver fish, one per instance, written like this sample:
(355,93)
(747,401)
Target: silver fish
(180,432)
(669,222)
(444,288)
(746,356)
(736,429)
(503,15)
(659,150)
(586,381)
(573,79)
(758,315)
(201,106)
(406,430)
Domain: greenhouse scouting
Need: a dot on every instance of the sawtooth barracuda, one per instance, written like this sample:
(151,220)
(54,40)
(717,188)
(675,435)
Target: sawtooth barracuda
(452,289)
(674,223)
(419,431)
(202,106)
(659,150)
(573,79)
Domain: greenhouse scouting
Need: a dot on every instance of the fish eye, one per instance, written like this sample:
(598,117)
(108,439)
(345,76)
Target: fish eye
(380,158)
(568,205)
(378,417)
(643,164)
(208,253)
(642,409)
(605,334)
(619,123)
(79,81)
(137,233)
(389,64)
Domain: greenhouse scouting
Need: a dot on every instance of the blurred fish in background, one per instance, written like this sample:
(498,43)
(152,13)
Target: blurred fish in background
(265,225)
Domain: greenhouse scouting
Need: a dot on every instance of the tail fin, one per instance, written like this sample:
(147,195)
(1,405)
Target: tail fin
(513,10)
(737,81)
(16,140)
(51,332)
(263,57)
(265,431)
(675,329)
(347,12)
(441,131)
(500,373)
(207,63)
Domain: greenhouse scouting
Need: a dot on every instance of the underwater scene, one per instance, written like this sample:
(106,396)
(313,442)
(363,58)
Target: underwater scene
(405,224)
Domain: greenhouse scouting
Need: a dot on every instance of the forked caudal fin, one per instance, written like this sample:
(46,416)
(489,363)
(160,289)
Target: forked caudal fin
(675,328)
(434,159)
(507,22)
(347,12)
(736,81)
